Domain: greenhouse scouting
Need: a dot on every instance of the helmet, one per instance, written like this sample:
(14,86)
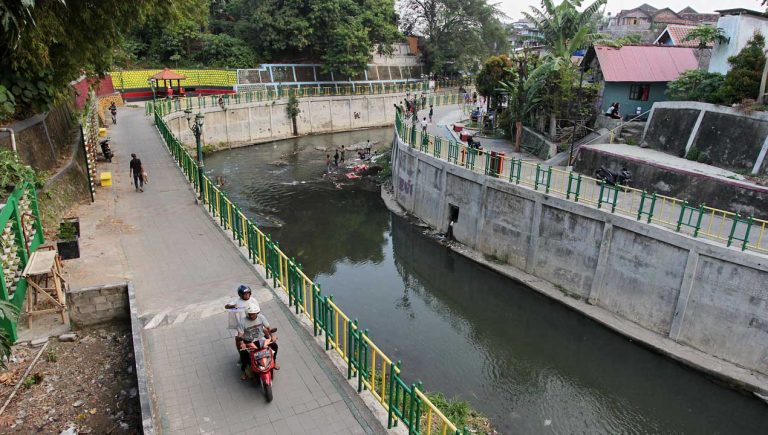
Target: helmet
(252,309)
(243,289)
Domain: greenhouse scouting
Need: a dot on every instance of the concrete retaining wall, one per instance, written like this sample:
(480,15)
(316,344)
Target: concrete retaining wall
(694,292)
(726,137)
(255,122)
(696,188)
(94,305)
(43,138)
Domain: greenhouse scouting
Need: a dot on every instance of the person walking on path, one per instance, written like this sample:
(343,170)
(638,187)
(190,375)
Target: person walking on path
(336,158)
(113,112)
(431,112)
(137,173)
(424,126)
(342,154)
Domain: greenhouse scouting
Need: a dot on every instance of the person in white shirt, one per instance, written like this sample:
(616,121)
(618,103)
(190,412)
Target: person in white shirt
(424,126)
(238,309)
(255,327)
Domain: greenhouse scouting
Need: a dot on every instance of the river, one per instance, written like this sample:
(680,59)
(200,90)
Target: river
(530,364)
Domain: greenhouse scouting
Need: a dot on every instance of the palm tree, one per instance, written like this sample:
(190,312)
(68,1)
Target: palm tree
(564,30)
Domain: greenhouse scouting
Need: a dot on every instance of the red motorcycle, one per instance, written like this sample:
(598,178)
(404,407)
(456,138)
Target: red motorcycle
(263,362)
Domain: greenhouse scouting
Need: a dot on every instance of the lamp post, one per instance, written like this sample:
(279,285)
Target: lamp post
(197,130)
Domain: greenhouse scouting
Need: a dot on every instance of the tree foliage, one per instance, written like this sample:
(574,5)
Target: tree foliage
(47,44)
(495,70)
(743,80)
(706,36)
(340,34)
(456,34)
(696,85)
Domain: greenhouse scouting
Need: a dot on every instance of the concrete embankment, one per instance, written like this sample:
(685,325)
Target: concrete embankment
(697,302)
(255,122)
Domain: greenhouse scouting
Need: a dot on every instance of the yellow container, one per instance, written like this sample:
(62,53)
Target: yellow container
(102,132)
(106,179)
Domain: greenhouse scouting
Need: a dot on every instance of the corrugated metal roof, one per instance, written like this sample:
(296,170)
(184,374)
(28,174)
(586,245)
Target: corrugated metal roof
(634,63)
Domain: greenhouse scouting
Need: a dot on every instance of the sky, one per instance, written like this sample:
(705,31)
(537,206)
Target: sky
(514,7)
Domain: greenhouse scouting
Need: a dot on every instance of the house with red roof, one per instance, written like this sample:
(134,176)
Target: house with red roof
(636,76)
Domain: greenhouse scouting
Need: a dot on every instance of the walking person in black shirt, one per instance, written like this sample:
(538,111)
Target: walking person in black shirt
(137,172)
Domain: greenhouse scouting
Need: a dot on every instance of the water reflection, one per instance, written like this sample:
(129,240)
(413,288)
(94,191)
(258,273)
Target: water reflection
(529,363)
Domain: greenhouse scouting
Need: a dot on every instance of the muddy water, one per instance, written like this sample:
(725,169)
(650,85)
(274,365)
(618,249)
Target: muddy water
(530,364)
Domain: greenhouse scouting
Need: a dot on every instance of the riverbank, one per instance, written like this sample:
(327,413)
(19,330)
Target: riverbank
(727,373)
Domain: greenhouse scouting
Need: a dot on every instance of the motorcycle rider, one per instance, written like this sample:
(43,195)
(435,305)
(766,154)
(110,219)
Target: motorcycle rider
(241,304)
(255,327)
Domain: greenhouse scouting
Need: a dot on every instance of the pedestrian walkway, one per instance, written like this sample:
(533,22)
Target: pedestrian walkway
(183,269)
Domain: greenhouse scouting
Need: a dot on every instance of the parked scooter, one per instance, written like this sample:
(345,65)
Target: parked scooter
(263,363)
(623,178)
(106,150)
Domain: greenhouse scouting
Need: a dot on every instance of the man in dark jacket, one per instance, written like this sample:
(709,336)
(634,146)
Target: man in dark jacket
(137,171)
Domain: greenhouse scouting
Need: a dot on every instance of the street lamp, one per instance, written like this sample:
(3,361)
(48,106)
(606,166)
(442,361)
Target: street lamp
(197,130)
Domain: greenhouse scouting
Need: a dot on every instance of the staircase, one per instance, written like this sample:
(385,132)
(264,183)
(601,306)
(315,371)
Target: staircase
(631,133)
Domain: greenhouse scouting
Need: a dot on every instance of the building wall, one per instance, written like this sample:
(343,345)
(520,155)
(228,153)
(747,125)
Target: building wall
(703,296)
(740,29)
(619,92)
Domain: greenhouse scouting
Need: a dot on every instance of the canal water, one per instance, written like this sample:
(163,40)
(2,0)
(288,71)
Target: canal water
(527,362)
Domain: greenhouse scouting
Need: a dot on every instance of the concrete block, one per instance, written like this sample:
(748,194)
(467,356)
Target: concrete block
(98,299)
(103,307)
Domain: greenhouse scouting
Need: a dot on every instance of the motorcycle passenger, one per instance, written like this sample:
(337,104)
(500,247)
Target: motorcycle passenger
(241,304)
(255,327)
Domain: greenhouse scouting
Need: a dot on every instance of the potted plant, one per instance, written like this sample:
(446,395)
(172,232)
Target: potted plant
(68,245)
(74,221)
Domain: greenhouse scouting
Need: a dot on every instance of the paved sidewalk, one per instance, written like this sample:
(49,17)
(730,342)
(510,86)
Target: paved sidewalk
(183,269)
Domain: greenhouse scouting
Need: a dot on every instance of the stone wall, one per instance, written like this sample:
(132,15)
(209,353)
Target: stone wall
(726,137)
(696,293)
(93,305)
(255,122)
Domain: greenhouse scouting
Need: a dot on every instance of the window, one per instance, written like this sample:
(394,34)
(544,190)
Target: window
(639,92)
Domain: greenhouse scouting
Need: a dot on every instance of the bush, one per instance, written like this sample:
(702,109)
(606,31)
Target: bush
(13,172)
(743,80)
(693,154)
(696,85)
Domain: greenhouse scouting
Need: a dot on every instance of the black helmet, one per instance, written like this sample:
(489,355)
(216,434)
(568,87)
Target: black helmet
(243,289)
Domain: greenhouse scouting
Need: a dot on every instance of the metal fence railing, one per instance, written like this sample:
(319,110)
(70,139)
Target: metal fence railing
(729,228)
(22,233)
(167,106)
(374,371)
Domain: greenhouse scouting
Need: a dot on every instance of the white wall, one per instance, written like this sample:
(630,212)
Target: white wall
(740,29)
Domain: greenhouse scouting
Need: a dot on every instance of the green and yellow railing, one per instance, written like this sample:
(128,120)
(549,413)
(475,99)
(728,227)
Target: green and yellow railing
(167,106)
(729,228)
(374,370)
(22,233)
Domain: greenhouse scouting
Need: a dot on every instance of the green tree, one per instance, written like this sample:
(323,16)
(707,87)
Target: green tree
(340,34)
(706,36)
(292,109)
(523,96)
(58,41)
(223,51)
(743,80)
(457,34)
(696,85)
(495,70)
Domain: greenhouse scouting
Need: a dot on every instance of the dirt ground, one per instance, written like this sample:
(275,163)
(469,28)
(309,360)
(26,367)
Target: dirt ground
(81,387)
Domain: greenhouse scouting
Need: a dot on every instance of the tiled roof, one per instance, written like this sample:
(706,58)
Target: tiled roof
(633,63)
(678,34)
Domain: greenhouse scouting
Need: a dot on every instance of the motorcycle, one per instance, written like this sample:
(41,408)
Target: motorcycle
(106,150)
(623,178)
(262,366)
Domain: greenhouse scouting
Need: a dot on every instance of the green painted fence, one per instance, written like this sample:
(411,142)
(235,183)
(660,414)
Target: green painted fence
(22,233)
